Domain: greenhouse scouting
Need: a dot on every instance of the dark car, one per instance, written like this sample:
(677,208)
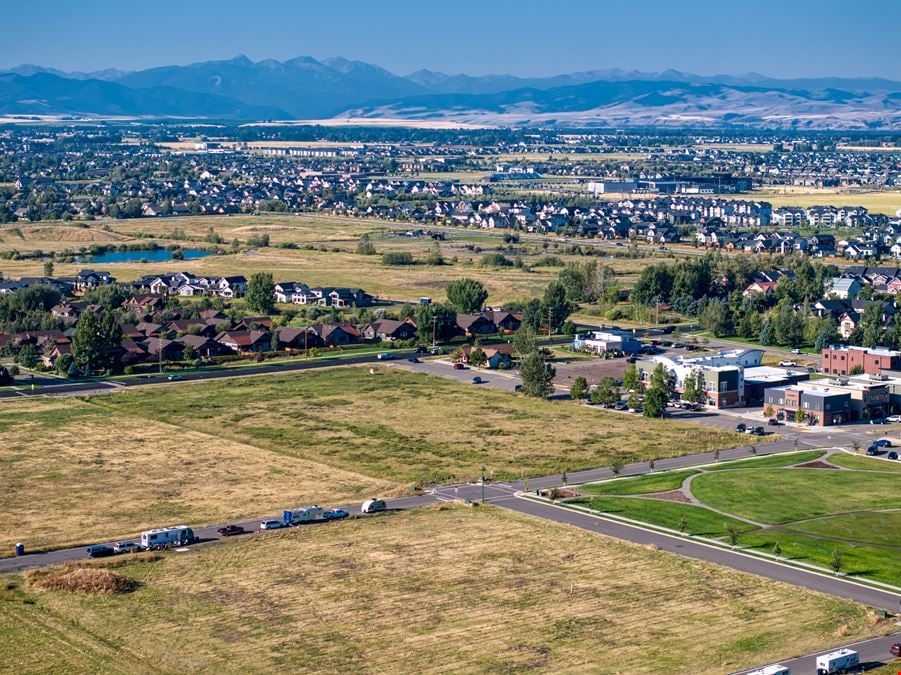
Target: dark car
(678,345)
(477,380)
(883,443)
(99,551)
(421,350)
(335,514)
(230,530)
(459,366)
(892,455)
(873,450)
(895,649)
(620,406)
(741,427)
(773,422)
(413,359)
(518,387)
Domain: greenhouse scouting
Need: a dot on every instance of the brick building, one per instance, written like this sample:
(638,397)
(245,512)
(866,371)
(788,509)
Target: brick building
(842,359)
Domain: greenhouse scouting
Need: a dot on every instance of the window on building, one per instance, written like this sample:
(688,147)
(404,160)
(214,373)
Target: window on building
(806,405)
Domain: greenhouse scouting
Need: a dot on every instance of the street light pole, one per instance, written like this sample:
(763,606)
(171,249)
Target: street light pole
(483,484)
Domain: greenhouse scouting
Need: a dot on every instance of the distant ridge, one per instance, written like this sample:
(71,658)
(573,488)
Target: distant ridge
(307,88)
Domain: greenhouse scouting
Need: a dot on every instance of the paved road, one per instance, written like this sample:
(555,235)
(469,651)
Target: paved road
(109,386)
(873,653)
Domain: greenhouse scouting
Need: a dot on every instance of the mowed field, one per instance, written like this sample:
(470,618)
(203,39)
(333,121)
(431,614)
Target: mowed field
(447,589)
(887,202)
(211,451)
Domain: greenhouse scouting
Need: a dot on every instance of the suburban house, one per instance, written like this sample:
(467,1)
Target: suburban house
(505,322)
(389,329)
(497,356)
(332,334)
(602,341)
(245,341)
(843,288)
(475,324)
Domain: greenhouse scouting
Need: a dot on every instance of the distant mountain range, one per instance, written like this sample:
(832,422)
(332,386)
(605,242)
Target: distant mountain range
(306,88)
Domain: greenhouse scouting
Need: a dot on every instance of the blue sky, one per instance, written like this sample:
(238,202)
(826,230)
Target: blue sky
(787,38)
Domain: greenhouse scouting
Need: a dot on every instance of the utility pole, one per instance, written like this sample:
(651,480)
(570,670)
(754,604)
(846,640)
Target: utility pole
(550,312)
(434,329)
(159,348)
(306,352)
(482,480)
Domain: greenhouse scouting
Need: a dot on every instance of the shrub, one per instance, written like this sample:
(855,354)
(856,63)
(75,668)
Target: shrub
(397,258)
(90,580)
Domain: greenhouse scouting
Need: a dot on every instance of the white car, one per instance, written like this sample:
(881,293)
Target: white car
(796,351)
(894,419)
(271,525)
(787,364)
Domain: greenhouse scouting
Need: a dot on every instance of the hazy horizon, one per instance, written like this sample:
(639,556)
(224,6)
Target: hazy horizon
(780,40)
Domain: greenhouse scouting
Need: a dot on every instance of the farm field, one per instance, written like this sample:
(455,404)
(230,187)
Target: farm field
(811,513)
(875,202)
(105,473)
(442,589)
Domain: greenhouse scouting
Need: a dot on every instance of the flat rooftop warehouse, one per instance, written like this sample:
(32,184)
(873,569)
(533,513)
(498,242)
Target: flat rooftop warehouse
(770,374)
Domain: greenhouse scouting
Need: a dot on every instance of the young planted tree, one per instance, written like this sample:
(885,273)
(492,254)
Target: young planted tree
(683,524)
(616,465)
(732,535)
(837,562)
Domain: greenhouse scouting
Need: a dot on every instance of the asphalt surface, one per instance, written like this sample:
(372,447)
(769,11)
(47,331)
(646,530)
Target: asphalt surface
(873,653)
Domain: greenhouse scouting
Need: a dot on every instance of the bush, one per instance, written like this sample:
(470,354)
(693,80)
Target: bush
(398,258)
(90,580)
(614,314)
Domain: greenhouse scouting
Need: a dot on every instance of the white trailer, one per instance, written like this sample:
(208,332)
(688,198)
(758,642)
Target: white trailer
(304,514)
(373,506)
(775,669)
(180,535)
(840,661)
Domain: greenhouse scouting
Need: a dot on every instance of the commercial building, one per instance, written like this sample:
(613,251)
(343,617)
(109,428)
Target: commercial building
(830,402)
(761,378)
(723,373)
(849,360)
(602,341)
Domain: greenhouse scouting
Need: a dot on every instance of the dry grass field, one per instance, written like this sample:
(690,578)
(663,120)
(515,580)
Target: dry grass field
(72,472)
(876,202)
(213,451)
(445,589)
(395,425)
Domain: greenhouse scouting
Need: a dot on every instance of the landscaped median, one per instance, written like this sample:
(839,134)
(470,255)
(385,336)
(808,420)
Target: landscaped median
(799,508)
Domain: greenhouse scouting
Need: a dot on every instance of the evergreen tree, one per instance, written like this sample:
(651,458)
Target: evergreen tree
(468,296)
(261,293)
(536,374)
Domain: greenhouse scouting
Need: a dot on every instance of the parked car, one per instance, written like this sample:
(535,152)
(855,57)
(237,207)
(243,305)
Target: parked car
(873,450)
(894,419)
(335,514)
(173,378)
(619,406)
(126,547)
(271,525)
(796,351)
(421,349)
(477,380)
(230,530)
(895,649)
(883,443)
(678,345)
(741,427)
(413,359)
(385,356)
(892,455)
(517,388)
(459,366)
(99,551)
(773,422)
(758,431)
(787,364)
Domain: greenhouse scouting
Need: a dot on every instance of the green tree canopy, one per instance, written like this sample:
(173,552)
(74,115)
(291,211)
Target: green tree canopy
(467,296)
(261,293)
(537,375)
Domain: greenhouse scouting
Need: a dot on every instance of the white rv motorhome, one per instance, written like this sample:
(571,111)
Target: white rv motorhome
(840,661)
(180,535)
(304,514)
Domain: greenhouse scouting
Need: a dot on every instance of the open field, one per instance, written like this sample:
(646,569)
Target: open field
(394,424)
(876,202)
(811,513)
(104,473)
(211,451)
(436,590)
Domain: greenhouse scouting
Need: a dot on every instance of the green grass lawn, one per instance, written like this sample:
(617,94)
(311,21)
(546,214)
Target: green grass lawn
(882,528)
(699,521)
(784,495)
(863,561)
(865,463)
(773,461)
(669,480)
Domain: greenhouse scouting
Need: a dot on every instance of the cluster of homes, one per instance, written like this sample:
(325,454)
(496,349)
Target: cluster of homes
(187,334)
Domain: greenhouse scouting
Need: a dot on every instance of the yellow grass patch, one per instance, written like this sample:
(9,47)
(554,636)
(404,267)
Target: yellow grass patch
(439,590)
